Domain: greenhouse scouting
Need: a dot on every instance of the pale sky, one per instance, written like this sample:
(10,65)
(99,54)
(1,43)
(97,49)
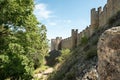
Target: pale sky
(60,16)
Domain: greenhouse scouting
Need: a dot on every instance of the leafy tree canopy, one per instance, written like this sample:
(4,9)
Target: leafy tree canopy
(22,41)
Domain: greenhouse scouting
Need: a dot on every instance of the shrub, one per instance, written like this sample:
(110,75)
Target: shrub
(64,55)
(84,40)
(91,53)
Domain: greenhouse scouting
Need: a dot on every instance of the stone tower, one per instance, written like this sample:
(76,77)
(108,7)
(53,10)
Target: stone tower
(94,18)
(74,34)
(53,41)
(56,43)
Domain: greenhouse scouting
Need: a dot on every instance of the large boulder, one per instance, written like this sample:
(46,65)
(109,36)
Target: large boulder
(109,55)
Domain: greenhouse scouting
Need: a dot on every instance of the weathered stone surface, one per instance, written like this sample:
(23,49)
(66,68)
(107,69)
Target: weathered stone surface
(109,55)
(91,75)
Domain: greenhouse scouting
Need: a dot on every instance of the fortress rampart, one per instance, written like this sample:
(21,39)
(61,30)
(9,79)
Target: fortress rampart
(66,43)
(99,18)
(56,43)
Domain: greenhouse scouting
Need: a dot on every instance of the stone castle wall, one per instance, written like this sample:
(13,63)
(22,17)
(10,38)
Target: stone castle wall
(67,43)
(99,18)
(70,42)
(56,43)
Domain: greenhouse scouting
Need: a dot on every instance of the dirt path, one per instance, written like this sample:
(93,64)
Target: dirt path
(43,75)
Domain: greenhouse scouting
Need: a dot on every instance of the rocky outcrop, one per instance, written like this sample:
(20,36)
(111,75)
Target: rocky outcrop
(109,55)
(91,75)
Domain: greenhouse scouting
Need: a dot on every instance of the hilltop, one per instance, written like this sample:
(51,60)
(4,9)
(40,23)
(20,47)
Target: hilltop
(82,62)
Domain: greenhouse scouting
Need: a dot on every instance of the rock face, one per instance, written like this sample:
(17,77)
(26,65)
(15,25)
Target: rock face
(91,75)
(109,55)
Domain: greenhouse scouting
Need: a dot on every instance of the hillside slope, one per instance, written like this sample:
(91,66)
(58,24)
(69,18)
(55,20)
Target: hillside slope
(82,63)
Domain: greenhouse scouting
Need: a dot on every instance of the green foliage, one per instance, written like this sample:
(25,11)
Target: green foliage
(84,40)
(91,53)
(52,58)
(23,43)
(41,69)
(64,55)
(15,66)
(19,8)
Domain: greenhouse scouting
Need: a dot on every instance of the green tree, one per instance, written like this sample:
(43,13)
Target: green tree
(22,41)
(64,55)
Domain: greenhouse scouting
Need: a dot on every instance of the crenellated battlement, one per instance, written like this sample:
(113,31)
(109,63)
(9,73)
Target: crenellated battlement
(99,18)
